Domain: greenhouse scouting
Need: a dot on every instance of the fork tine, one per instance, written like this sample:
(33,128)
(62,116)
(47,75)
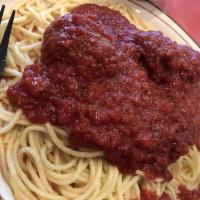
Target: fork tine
(4,44)
(7,33)
(1,13)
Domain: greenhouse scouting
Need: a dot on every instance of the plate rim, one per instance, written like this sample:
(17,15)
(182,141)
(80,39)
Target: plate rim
(149,6)
(175,21)
(140,4)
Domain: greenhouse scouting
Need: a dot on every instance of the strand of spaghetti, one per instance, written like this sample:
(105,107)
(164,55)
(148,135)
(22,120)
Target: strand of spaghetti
(6,112)
(91,166)
(70,195)
(9,156)
(96,191)
(29,184)
(17,20)
(65,149)
(27,32)
(55,156)
(17,183)
(119,191)
(83,178)
(8,116)
(62,132)
(171,192)
(7,119)
(38,128)
(159,188)
(24,187)
(31,170)
(132,182)
(19,56)
(125,180)
(32,142)
(35,14)
(17,5)
(110,184)
(136,190)
(11,61)
(24,12)
(4,168)
(55,7)
(38,4)
(127,195)
(52,166)
(27,58)
(3,163)
(95,175)
(29,47)
(2,96)
(38,165)
(66,179)
(12,72)
(76,192)
(87,183)
(45,21)
(12,123)
(21,160)
(49,17)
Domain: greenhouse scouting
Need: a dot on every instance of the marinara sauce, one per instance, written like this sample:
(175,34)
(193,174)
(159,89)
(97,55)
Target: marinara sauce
(186,194)
(133,94)
(149,195)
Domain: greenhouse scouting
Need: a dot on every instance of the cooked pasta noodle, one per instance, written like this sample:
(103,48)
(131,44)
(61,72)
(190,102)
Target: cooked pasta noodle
(36,160)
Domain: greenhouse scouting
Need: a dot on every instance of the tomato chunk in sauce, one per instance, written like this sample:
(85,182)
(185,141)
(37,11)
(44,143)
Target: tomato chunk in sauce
(133,94)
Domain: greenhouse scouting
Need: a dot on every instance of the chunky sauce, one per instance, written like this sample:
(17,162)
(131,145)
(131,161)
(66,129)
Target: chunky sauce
(133,94)
(185,194)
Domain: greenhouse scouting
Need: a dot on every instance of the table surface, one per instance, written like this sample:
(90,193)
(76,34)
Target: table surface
(185,12)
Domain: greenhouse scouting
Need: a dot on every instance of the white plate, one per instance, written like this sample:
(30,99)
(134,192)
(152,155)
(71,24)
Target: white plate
(154,16)
(148,12)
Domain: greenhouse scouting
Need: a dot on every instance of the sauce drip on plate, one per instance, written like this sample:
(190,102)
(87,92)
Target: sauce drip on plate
(133,94)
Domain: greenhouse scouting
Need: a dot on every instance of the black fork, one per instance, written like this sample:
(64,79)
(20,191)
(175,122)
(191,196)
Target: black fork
(5,40)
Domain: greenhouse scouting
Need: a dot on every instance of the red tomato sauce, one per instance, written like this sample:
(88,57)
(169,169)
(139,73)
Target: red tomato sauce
(133,94)
(186,194)
(149,195)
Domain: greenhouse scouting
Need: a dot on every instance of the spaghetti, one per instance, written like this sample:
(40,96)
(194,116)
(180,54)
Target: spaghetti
(36,160)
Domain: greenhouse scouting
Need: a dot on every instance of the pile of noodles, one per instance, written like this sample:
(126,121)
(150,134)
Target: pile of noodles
(35,159)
